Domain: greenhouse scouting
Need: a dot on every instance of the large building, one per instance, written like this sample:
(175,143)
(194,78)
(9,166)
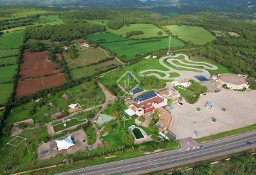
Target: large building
(232,81)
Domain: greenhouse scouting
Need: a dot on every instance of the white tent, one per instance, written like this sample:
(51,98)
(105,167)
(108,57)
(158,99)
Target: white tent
(65,143)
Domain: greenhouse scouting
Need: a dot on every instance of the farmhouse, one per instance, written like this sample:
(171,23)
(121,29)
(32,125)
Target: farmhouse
(170,94)
(232,81)
(74,107)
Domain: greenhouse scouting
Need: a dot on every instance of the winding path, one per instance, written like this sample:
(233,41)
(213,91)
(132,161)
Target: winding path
(191,72)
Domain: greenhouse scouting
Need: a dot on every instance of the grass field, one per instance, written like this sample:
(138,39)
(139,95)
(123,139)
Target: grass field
(7,53)
(6,90)
(127,50)
(8,60)
(149,30)
(105,38)
(49,20)
(91,70)
(11,40)
(69,123)
(86,57)
(7,73)
(196,35)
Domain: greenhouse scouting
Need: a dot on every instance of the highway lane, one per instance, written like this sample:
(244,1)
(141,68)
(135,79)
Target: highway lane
(171,159)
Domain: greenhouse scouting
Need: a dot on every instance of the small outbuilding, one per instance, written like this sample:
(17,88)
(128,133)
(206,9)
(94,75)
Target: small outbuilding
(74,107)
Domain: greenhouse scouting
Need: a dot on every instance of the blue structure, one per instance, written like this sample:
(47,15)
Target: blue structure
(136,91)
(129,76)
(208,105)
(145,97)
(201,78)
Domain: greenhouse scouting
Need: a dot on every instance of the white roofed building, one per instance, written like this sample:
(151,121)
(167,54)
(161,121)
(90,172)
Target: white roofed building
(65,143)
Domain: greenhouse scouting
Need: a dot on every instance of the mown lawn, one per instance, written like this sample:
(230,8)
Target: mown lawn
(6,90)
(86,57)
(7,73)
(227,133)
(11,40)
(194,34)
(91,135)
(150,31)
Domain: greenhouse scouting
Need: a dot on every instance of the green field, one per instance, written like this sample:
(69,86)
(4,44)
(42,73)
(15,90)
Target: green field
(11,40)
(49,20)
(86,57)
(91,70)
(105,38)
(8,60)
(127,50)
(6,90)
(7,73)
(150,31)
(196,35)
(7,53)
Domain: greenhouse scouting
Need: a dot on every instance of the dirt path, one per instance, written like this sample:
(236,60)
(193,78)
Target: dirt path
(110,98)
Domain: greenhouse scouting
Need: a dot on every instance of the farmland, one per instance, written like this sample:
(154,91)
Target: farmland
(11,40)
(105,38)
(86,56)
(9,53)
(90,61)
(31,86)
(36,64)
(193,34)
(127,50)
(8,60)
(7,73)
(6,90)
(149,30)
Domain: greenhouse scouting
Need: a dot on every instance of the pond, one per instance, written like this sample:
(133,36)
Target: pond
(137,133)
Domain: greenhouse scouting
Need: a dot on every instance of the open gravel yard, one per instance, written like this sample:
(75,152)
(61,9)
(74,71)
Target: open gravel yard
(240,112)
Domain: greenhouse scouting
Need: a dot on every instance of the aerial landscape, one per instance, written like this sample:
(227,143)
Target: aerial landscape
(128,87)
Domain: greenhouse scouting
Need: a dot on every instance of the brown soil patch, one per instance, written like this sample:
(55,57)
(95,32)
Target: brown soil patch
(58,57)
(36,64)
(31,86)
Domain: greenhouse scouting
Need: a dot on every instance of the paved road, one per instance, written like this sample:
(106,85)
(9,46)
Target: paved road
(169,159)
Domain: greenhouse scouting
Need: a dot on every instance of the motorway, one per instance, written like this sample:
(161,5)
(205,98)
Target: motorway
(169,159)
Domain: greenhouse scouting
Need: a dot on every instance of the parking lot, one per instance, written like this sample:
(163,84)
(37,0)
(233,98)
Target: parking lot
(240,112)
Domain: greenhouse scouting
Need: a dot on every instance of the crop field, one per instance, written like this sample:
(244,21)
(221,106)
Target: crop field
(105,38)
(31,86)
(86,57)
(8,53)
(93,69)
(150,31)
(36,64)
(8,60)
(193,34)
(7,73)
(11,40)
(6,90)
(127,50)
